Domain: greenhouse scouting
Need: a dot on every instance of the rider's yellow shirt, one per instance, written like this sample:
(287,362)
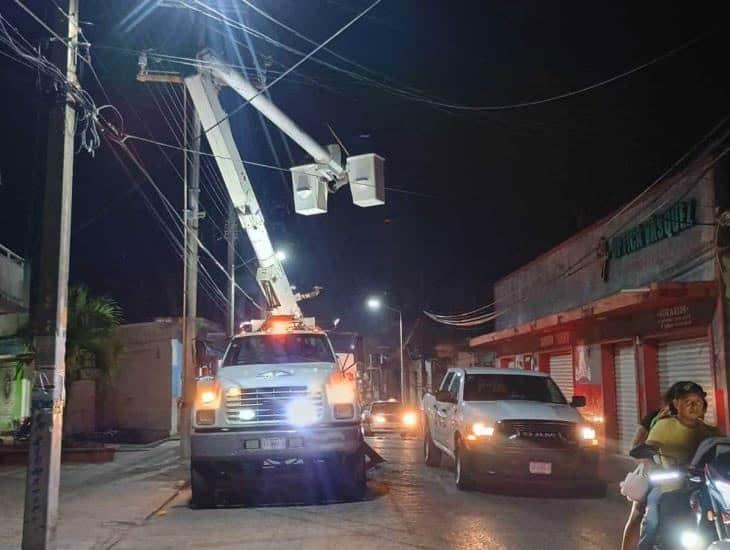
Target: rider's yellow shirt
(676,441)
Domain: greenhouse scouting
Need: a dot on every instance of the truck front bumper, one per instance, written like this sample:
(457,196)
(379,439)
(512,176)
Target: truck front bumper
(574,466)
(251,444)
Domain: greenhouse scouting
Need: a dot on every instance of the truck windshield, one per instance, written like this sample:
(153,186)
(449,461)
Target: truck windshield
(504,387)
(279,348)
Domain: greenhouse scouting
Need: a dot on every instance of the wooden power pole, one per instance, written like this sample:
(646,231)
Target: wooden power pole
(49,313)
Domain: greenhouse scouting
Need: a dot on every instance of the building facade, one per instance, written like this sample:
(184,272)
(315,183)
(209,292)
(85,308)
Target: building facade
(630,305)
(15,373)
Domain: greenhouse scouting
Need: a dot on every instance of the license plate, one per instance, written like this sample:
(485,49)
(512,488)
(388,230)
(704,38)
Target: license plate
(273,443)
(542,468)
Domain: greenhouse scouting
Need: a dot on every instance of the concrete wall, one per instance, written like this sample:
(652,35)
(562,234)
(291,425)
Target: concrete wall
(542,287)
(139,397)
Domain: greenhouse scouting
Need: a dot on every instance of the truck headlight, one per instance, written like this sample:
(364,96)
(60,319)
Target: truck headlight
(379,419)
(207,397)
(482,430)
(302,412)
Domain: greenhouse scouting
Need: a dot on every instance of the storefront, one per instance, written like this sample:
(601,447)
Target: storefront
(627,307)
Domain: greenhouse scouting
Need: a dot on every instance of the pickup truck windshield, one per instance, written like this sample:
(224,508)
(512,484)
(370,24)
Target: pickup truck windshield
(269,349)
(503,387)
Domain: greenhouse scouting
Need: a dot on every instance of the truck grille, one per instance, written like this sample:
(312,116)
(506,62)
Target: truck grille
(269,404)
(538,432)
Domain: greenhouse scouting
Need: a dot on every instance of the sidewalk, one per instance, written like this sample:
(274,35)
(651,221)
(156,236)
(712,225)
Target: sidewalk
(98,502)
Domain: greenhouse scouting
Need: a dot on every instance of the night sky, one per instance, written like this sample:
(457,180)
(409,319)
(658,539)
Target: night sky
(474,194)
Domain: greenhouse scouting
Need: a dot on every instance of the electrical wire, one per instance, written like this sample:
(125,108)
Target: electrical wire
(297,64)
(477,316)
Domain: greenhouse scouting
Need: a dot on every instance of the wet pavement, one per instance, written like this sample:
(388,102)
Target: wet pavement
(409,505)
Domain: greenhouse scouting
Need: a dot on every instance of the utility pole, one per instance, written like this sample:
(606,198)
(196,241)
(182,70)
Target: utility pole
(192,218)
(231,233)
(50,307)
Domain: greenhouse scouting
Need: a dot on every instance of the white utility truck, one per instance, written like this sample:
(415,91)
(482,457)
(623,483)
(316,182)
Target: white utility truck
(279,399)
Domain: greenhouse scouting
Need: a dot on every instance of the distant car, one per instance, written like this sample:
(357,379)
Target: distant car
(390,417)
(510,425)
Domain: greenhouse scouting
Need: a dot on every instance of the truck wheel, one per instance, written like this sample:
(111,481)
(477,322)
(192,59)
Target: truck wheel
(353,480)
(203,490)
(464,469)
(431,453)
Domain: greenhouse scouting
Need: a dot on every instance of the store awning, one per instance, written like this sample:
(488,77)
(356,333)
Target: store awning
(668,305)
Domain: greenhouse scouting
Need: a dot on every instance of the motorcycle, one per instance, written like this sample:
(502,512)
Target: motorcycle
(695,517)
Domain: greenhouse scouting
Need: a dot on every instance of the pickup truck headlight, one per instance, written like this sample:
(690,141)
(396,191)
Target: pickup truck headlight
(588,435)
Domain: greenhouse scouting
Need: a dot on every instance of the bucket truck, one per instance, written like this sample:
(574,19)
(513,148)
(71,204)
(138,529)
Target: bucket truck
(278,400)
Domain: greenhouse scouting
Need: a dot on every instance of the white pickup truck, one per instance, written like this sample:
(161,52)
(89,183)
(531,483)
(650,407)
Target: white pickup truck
(510,425)
(278,402)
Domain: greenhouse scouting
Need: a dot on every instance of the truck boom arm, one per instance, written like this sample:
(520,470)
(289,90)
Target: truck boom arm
(270,274)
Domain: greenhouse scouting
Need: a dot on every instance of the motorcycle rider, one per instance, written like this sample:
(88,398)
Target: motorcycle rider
(633,523)
(677,439)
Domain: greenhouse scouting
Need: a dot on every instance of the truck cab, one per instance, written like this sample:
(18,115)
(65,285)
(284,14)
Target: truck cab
(278,401)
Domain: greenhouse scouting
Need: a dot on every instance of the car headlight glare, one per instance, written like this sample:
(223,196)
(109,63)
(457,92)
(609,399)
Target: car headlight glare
(481,429)
(690,539)
(379,419)
(302,412)
(410,419)
(587,433)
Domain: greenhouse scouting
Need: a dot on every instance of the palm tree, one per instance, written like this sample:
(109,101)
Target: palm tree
(90,331)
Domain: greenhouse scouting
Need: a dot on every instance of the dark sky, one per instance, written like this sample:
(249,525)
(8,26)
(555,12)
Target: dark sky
(494,189)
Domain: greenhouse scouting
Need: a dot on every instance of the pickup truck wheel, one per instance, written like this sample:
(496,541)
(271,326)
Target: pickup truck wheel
(203,490)
(353,480)
(431,453)
(464,469)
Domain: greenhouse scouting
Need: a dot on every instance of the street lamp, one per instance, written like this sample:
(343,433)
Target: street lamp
(375,304)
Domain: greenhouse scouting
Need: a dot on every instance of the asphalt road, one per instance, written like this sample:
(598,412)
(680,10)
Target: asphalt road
(409,505)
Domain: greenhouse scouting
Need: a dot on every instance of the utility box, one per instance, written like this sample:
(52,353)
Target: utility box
(366,174)
(310,190)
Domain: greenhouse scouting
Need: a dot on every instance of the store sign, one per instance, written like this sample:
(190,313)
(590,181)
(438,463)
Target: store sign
(671,222)
(556,339)
(674,317)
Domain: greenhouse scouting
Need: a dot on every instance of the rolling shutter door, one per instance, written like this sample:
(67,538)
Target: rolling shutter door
(688,360)
(561,370)
(627,406)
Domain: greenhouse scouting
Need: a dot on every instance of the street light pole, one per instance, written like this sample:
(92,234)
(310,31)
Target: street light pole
(376,303)
(402,369)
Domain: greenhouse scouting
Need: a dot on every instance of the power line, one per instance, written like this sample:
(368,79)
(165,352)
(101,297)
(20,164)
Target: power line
(297,64)
(479,317)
